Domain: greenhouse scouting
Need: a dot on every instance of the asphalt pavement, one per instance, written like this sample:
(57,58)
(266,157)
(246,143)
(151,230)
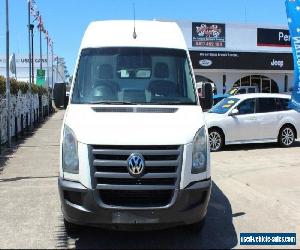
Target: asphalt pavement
(256,188)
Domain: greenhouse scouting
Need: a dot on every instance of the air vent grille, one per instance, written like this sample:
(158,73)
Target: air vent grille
(134,110)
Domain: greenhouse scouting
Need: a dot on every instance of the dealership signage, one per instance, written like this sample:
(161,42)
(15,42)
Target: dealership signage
(40,77)
(273,37)
(24,61)
(241,60)
(208,35)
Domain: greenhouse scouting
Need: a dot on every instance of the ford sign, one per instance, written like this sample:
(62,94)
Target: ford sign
(205,62)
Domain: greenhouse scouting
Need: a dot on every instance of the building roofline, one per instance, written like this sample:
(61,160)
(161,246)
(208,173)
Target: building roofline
(236,24)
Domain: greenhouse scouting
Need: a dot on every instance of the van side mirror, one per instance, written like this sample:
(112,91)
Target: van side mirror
(206,96)
(234,112)
(59,95)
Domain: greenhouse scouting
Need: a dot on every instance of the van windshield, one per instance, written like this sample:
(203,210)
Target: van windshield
(134,76)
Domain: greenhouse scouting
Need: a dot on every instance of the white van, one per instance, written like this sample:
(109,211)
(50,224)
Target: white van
(134,145)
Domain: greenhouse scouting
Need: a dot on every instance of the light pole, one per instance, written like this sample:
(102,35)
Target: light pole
(7,77)
(57,68)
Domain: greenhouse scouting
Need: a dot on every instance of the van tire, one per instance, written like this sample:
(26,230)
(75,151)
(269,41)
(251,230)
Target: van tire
(287,136)
(196,227)
(71,227)
(216,140)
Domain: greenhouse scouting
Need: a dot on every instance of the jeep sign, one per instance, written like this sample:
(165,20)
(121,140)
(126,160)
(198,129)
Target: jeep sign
(241,60)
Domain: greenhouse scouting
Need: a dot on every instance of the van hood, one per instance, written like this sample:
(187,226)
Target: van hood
(147,125)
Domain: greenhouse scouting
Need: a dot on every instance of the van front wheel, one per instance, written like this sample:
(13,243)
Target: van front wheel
(196,227)
(71,227)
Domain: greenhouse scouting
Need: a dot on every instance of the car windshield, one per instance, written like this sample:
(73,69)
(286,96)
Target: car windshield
(223,106)
(232,91)
(134,76)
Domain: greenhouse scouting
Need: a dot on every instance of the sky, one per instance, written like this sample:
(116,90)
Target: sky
(66,20)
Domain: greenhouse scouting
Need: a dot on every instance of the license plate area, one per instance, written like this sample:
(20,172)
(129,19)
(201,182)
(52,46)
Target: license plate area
(131,217)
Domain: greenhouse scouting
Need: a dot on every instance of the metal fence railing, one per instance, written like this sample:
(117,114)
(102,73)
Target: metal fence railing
(20,114)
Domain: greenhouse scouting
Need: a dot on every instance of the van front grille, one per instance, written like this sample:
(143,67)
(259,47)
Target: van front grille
(118,188)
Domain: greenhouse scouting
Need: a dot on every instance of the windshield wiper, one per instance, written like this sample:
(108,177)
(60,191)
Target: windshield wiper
(113,103)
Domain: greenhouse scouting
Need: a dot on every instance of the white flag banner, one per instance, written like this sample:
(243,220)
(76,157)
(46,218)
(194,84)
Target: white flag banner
(12,64)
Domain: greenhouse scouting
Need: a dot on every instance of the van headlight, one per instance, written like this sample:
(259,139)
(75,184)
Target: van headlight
(199,163)
(70,161)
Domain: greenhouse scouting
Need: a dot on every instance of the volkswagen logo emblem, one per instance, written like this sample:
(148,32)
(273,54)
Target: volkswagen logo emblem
(136,165)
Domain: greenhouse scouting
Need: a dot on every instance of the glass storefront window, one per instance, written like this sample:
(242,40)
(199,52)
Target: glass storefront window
(263,83)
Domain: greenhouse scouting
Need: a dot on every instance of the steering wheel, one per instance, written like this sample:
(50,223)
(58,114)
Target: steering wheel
(103,91)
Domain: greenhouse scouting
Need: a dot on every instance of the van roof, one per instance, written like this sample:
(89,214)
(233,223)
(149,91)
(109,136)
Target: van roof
(119,33)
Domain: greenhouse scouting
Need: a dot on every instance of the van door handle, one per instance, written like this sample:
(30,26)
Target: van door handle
(253,119)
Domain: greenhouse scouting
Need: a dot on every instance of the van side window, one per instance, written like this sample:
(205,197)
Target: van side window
(247,107)
(266,105)
(282,104)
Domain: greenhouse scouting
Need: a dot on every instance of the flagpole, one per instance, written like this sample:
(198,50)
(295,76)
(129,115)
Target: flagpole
(32,53)
(29,60)
(52,68)
(48,74)
(7,78)
(40,27)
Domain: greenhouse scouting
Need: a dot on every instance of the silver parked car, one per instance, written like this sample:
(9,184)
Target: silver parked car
(252,118)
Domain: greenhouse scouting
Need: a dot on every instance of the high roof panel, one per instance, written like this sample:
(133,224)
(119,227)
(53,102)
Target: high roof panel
(120,34)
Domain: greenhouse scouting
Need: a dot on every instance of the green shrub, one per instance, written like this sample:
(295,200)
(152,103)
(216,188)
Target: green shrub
(2,85)
(16,86)
(38,90)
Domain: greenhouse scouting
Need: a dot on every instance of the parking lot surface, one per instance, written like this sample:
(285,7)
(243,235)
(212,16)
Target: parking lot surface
(256,188)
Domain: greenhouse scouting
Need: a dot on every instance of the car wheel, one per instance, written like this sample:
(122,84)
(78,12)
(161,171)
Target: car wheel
(286,136)
(216,140)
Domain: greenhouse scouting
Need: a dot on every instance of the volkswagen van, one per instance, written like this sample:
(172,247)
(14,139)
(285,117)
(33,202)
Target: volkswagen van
(134,144)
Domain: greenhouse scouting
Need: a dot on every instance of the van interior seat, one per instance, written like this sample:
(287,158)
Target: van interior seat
(105,86)
(162,86)
(106,76)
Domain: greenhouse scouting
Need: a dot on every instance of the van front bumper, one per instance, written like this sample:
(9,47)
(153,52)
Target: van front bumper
(79,206)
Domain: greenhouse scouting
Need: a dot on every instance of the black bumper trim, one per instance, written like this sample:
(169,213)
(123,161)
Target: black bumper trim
(189,207)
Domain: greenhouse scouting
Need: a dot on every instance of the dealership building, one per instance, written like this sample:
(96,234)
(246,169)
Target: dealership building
(22,69)
(223,53)
(240,55)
